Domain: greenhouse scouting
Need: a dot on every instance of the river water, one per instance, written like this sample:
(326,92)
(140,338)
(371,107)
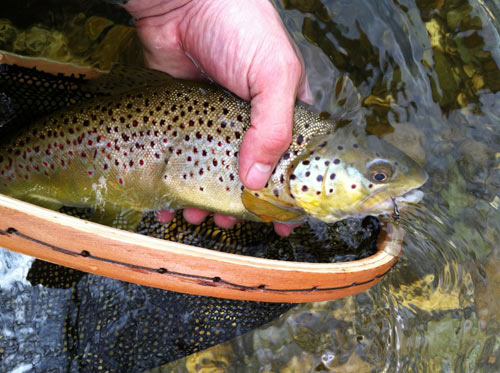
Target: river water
(428,73)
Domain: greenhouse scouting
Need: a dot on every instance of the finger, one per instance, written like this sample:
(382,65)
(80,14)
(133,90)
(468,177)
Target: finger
(225,221)
(164,216)
(194,215)
(284,230)
(304,93)
(267,138)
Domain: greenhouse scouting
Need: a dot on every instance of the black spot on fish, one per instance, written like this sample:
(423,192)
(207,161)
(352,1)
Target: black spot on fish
(336,161)
(305,188)
(276,192)
(356,145)
(308,174)
(306,162)
(340,147)
(332,176)
(300,140)
(319,178)
(225,111)
(293,177)
(323,144)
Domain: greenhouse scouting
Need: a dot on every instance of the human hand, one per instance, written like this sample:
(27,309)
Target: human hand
(243,46)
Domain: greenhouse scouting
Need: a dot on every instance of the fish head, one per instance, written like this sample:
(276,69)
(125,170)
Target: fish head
(350,174)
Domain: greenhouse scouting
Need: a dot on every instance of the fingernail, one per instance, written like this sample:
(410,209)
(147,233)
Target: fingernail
(258,175)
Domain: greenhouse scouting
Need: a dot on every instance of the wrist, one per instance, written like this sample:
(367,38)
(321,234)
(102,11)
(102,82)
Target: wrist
(140,9)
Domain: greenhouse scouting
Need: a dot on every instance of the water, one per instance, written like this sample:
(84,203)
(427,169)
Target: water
(428,73)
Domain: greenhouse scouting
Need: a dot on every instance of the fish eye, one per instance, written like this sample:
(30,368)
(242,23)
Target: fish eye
(380,171)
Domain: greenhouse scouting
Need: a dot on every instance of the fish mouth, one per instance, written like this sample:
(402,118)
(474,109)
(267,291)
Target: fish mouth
(391,204)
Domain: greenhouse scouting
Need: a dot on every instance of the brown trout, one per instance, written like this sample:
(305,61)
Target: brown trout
(174,144)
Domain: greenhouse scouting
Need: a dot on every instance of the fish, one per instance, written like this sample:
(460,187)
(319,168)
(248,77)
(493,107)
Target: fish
(171,143)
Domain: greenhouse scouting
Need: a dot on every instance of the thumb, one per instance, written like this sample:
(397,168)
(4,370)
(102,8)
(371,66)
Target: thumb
(268,137)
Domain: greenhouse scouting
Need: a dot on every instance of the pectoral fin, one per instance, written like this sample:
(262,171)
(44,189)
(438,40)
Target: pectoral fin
(268,211)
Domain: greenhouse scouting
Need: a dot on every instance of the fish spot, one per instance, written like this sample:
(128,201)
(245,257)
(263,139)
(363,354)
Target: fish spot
(355,145)
(370,186)
(323,144)
(319,178)
(305,188)
(308,174)
(293,177)
(332,176)
(340,147)
(336,161)
(276,192)
(353,186)
(300,140)
(306,162)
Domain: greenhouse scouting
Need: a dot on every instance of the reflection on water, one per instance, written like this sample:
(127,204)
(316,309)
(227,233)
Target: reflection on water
(428,72)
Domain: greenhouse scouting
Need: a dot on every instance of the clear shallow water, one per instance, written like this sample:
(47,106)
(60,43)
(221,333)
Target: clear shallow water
(428,73)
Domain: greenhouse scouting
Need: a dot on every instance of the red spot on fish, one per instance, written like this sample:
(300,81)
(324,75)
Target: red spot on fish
(90,172)
(89,142)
